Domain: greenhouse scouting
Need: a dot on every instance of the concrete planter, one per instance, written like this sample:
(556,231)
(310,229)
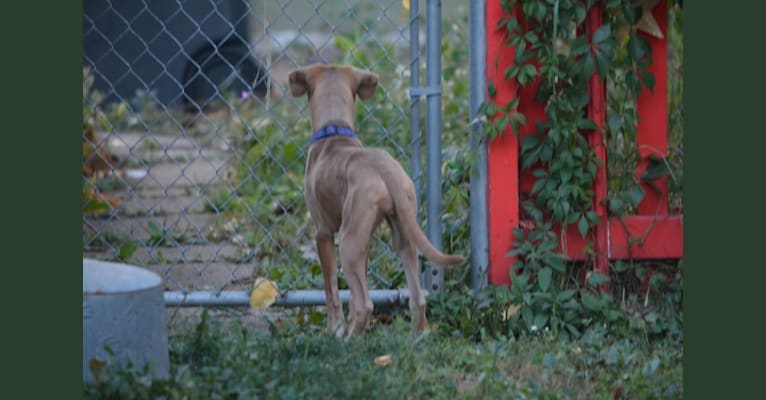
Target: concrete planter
(123,307)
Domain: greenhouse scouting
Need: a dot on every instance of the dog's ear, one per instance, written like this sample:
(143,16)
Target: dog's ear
(298,82)
(367,83)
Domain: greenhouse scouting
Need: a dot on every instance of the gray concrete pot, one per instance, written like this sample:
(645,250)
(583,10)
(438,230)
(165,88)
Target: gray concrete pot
(123,307)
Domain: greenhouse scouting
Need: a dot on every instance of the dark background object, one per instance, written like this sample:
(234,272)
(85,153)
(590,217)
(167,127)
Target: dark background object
(182,53)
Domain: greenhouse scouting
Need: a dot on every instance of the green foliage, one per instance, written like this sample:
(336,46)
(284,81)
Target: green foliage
(162,236)
(544,303)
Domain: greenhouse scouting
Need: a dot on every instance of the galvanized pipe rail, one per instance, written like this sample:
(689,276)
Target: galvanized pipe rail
(292,298)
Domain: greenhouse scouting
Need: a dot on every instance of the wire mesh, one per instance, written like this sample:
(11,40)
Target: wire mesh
(193,152)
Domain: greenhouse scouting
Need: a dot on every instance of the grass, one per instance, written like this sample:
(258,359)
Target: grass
(295,361)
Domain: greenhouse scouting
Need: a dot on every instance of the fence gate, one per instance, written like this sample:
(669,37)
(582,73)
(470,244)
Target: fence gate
(653,233)
(194,153)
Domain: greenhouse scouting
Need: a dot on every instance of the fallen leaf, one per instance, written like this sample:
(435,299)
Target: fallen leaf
(383,360)
(264,293)
(97,367)
(616,393)
(509,312)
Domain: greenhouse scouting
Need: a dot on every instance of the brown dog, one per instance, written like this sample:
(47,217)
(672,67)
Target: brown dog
(350,189)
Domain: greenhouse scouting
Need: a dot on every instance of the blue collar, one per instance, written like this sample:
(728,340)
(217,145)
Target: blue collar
(331,130)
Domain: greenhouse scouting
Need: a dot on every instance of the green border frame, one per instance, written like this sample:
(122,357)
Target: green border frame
(724,151)
(41,186)
(723,274)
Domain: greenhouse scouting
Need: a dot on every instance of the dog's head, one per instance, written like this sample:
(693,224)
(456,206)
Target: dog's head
(332,90)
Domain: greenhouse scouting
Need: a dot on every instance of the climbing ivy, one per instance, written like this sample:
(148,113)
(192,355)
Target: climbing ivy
(553,49)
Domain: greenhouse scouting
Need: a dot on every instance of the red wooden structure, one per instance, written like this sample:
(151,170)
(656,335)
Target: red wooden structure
(651,234)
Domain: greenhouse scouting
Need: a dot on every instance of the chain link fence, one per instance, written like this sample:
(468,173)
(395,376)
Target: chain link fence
(193,152)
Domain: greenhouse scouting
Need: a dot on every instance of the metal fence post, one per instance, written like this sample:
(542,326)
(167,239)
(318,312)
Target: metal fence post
(434,275)
(479,234)
(417,171)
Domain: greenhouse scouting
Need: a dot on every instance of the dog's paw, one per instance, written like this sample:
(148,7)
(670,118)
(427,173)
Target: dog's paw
(337,329)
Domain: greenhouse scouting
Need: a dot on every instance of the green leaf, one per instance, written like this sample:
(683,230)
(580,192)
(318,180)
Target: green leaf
(521,54)
(544,278)
(596,279)
(529,142)
(290,152)
(518,234)
(636,194)
(531,37)
(540,321)
(542,11)
(549,361)
(586,124)
(615,123)
(611,356)
(615,205)
(580,13)
(344,43)
(502,21)
(96,205)
(631,79)
(154,230)
(566,175)
(491,89)
(526,315)
(529,69)
(316,317)
(583,226)
(523,79)
(127,249)
(656,169)
(565,295)
(587,66)
(613,315)
(621,266)
(519,118)
(546,153)
(501,123)
(635,49)
(590,301)
(557,264)
(602,33)
(572,218)
(630,13)
(511,71)
(571,304)
(648,79)
(579,46)
(657,281)
(651,367)
(602,64)
(511,105)
(592,217)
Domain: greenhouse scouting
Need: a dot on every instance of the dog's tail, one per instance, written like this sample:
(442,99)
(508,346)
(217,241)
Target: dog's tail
(404,203)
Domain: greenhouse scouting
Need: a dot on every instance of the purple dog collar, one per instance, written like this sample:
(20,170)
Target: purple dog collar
(331,130)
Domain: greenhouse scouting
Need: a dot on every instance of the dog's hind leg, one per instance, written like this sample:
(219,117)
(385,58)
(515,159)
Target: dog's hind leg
(326,251)
(360,217)
(408,253)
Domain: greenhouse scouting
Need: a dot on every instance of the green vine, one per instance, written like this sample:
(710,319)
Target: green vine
(553,48)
